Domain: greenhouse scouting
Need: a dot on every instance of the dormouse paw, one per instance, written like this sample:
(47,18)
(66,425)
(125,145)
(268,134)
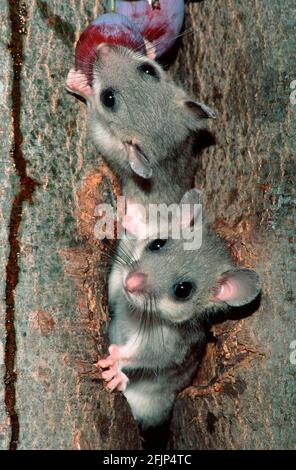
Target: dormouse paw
(114,378)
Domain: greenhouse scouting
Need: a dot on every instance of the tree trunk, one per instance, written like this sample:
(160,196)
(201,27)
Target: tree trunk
(53,306)
(241,60)
(53,276)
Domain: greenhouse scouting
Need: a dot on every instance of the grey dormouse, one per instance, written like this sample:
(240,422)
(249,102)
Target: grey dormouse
(160,296)
(140,120)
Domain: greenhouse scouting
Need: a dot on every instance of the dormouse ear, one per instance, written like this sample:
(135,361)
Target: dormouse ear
(200,110)
(138,161)
(77,83)
(238,287)
(191,208)
(134,221)
(193,196)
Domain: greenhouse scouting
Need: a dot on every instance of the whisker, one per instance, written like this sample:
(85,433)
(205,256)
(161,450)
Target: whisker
(126,251)
(119,255)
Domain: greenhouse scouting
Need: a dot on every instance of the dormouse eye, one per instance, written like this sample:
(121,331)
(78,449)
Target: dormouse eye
(108,98)
(156,245)
(148,69)
(182,290)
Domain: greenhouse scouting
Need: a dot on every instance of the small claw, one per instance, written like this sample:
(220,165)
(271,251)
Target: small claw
(119,382)
(112,385)
(110,360)
(109,373)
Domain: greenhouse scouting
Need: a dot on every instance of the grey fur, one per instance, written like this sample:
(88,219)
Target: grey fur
(152,113)
(148,140)
(169,340)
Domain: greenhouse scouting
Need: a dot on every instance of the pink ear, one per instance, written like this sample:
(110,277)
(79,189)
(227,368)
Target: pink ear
(191,208)
(227,290)
(77,83)
(238,287)
(134,221)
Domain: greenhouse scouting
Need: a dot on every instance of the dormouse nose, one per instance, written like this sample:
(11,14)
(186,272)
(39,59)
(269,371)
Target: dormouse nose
(135,282)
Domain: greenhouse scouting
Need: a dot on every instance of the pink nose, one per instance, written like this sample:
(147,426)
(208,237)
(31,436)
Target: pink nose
(135,282)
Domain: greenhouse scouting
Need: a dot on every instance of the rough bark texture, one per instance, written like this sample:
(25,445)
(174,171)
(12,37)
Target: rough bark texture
(240,60)
(52,271)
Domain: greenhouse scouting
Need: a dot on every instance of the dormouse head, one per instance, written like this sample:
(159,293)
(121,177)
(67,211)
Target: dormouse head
(137,114)
(177,284)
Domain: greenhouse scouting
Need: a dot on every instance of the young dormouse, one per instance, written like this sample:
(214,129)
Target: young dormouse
(160,296)
(141,121)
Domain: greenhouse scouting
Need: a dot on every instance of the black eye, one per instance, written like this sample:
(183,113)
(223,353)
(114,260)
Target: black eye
(182,290)
(156,245)
(108,98)
(148,69)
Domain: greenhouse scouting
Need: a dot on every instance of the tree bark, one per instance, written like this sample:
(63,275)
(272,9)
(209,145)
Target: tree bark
(240,59)
(53,283)
(53,305)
